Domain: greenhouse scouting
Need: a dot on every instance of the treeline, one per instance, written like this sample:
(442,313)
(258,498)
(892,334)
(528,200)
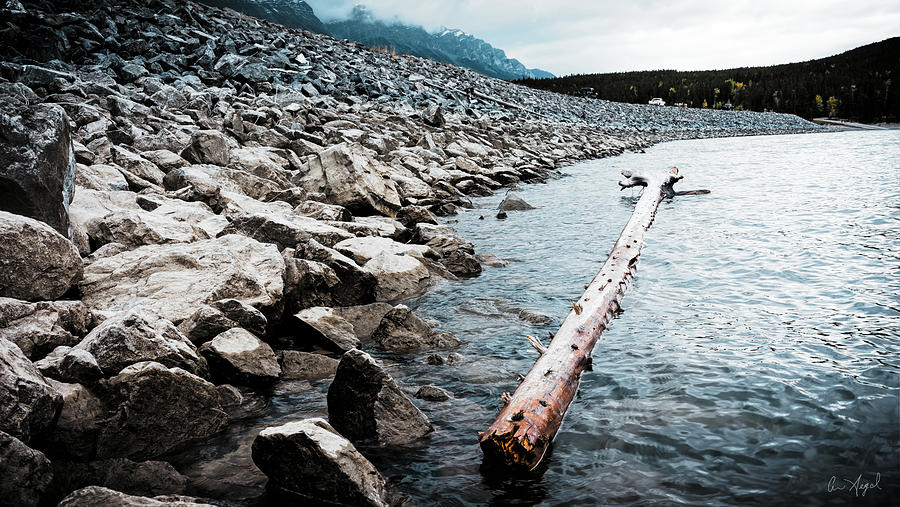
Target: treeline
(860,84)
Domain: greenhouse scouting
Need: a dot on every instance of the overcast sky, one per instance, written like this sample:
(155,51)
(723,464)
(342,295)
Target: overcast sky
(571,36)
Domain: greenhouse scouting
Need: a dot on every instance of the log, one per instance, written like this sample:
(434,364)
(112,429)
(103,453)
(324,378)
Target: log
(523,431)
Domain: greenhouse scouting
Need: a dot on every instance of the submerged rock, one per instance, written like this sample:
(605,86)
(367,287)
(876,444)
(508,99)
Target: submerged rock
(513,202)
(310,458)
(432,392)
(36,262)
(403,331)
(300,365)
(365,404)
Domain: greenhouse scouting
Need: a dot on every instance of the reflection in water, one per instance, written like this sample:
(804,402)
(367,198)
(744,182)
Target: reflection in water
(757,357)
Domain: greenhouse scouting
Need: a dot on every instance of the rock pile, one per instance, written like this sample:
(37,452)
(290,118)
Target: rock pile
(191,198)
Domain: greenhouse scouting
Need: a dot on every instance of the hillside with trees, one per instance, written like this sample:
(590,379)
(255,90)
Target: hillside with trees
(858,84)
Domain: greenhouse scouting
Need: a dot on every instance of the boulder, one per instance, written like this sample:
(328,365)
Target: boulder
(208,147)
(323,211)
(285,231)
(37,163)
(398,276)
(238,357)
(354,285)
(67,364)
(350,178)
(322,327)
(300,365)
(365,248)
(365,318)
(120,474)
(165,160)
(461,264)
(137,165)
(432,116)
(98,496)
(28,404)
(205,179)
(155,410)
(80,421)
(99,177)
(220,316)
(174,280)
(38,328)
(36,262)
(139,335)
(262,162)
(310,458)
(365,404)
(513,202)
(26,473)
(403,331)
(432,392)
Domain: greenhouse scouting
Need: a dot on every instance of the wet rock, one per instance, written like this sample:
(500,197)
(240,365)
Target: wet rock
(348,177)
(491,260)
(26,473)
(238,357)
(398,276)
(300,365)
(220,316)
(80,420)
(310,458)
(432,392)
(139,335)
(513,202)
(208,147)
(229,396)
(434,360)
(286,231)
(174,280)
(97,496)
(28,404)
(461,264)
(364,403)
(322,327)
(38,328)
(403,331)
(37,163)
(364,318)
(157,409)
(36,262)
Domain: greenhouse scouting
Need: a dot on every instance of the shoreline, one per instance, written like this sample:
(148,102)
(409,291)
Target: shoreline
(208,215)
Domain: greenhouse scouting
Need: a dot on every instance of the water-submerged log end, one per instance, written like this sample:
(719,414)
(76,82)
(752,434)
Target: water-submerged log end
(523,431)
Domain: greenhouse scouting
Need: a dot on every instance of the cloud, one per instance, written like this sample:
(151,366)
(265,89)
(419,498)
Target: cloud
(570,36)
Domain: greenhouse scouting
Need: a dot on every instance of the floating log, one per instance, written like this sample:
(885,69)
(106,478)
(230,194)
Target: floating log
(521,435)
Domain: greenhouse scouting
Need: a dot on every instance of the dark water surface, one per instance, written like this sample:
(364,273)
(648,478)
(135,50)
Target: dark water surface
(758,355)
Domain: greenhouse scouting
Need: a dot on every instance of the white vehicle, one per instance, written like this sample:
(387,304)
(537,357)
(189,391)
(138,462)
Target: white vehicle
(656,101)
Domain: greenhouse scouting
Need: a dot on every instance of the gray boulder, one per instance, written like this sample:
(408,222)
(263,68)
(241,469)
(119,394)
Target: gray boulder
(219,316)
(350,178)
(343,283)
(98,496)
(67,364)
(28,404)
(147,478)
(140,335)
(398,276)
(285,231)
(38,328)
(156,409)
(36,262)
(403,331)
(173,281)
(365,404)
(208,147)
(432,392)
(364,318)
(37,163)
(238,357)
(310,458)
(300,365)
(513,202)
(80,420)
(26,473)
(322,327)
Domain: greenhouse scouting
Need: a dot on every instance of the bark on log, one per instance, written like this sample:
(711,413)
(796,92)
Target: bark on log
(521,435)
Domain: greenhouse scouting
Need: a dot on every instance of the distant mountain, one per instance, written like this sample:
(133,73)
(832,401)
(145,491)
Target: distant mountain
(289,13)
(858,84)
(450,46)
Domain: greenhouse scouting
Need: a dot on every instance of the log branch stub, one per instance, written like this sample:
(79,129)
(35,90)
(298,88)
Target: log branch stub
(520,436)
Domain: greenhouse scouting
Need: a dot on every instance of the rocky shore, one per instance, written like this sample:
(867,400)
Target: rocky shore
(197,205)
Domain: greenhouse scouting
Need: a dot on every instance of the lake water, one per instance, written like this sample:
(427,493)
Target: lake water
(757,359)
